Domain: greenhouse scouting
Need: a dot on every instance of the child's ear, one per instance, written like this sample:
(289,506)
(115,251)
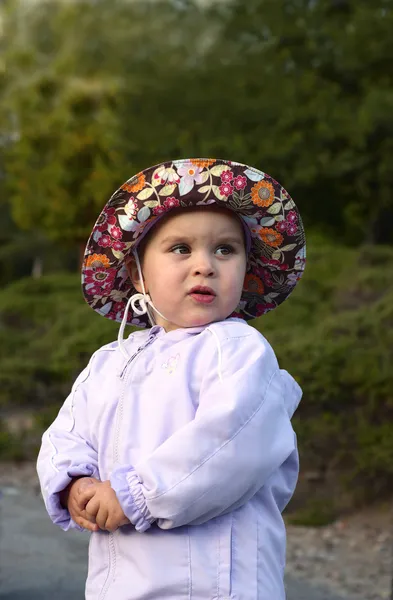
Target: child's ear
(133,273)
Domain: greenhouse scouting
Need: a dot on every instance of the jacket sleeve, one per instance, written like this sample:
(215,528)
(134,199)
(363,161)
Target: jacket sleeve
(240,435)
(67,452)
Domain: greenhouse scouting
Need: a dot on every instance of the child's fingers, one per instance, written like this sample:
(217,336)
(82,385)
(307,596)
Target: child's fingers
(92,506)
(101,517)
(115,520)
(112,522)
(87,524)
(77,512)
(85,495)
(88,516)
(82,519)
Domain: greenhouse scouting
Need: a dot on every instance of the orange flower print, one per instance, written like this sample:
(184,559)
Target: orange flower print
(137,183)
(271,237)
(97,260)
(262,193)
(252,283)
(203,162)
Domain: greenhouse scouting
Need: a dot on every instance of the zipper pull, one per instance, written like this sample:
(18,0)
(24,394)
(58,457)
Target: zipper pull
(138,351)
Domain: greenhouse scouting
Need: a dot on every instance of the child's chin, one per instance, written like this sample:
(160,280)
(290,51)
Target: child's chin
(202,321)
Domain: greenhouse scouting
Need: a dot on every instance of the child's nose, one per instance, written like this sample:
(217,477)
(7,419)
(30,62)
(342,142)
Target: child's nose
(204,265)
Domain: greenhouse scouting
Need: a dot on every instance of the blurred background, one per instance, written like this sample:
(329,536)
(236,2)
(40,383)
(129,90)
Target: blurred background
(93,91)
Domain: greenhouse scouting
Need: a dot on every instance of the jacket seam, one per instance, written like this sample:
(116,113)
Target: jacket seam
(220,447)
(189,565)
(236,337)
(74,390)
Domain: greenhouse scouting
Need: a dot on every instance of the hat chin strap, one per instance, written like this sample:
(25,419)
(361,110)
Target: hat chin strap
(145,302)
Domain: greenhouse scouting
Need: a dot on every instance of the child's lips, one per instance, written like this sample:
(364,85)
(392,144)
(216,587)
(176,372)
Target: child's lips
(202,294)
(202,298)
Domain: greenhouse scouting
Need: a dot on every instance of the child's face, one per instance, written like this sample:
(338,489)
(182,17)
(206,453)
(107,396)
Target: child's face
(202,247)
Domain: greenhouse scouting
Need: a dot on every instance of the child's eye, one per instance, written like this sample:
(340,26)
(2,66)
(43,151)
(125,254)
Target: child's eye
(224,250)
(180,249)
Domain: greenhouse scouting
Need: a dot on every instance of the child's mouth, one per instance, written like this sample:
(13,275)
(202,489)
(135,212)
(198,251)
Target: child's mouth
(202,295)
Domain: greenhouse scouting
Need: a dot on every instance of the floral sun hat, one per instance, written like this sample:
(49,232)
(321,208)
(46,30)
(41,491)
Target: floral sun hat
(276,259)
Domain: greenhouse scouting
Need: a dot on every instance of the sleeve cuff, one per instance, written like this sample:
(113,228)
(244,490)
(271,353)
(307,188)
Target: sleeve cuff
(59,515)
(128,489)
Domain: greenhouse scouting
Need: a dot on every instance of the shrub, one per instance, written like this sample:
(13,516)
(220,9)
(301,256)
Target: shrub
(335,336)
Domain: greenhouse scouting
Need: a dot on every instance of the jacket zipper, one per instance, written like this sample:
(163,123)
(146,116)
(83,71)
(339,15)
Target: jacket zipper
(119,414)
(139,350)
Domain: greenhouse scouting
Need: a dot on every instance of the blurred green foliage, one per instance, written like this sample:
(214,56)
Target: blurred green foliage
(335,335)
(93,92)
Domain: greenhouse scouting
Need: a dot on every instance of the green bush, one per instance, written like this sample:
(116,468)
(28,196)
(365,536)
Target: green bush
(47,334)
(342,356)
(335,335)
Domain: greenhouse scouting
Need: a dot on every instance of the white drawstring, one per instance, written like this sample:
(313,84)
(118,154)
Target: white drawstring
(120,339)
(144,301)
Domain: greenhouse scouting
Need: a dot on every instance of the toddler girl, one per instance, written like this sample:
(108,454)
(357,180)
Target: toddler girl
(175,446)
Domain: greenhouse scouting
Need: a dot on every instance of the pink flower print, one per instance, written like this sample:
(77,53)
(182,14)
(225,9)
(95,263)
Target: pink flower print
(291,228)
(171,202)
(100,276)
(105,241)
(118,246)
(116,233)
(226,189)
(167,175)
(264,308)
(118,310)
(237,315)
(264,275)
(106,218)
(226,176)
(189,174)
(300,263)
(281,226)
(159,210)
(274,264)
(141,226)
(131,208)
(240,182)
(292,217)
(255,231)
(95,290)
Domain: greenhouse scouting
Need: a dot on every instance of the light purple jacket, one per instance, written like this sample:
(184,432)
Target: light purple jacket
(194,433)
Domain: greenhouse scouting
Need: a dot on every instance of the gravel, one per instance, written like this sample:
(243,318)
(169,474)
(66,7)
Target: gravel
(353,556)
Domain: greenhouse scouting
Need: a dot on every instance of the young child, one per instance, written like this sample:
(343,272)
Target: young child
(175,446)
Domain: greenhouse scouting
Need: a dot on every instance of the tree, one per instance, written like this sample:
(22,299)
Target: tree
(92,107)
(300,88)
(311,82)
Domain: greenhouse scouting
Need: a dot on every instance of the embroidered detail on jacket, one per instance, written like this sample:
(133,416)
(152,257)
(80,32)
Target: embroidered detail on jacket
(171,364)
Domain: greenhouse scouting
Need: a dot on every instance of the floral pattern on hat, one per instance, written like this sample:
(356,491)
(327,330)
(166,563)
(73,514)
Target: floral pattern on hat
(276,259)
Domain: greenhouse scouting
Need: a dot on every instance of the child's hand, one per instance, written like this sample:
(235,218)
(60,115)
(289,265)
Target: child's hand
(103,506)
(71,499)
